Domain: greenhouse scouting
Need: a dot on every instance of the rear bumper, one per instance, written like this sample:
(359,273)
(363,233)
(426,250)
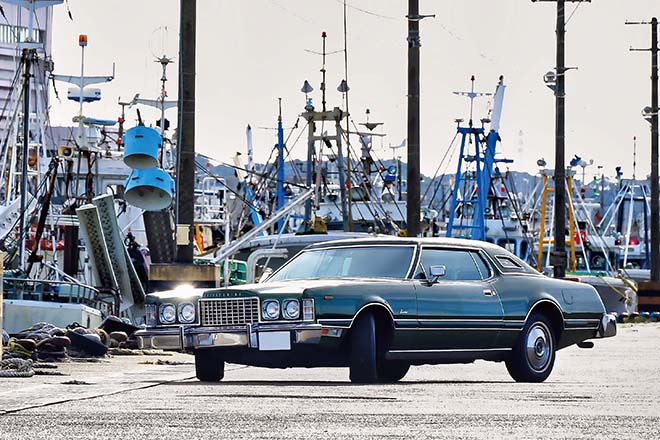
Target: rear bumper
(190,338)
(607,327)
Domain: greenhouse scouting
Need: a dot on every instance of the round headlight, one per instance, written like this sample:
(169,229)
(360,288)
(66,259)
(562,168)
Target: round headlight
(186,313)
(167,313)
(270,309)
(291,309)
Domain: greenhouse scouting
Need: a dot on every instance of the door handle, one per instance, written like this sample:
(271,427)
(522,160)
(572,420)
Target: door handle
(488,292)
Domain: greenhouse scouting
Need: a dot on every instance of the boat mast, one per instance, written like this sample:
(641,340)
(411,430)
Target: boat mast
(280,164)
(349,226)
(29,47)
(28,54)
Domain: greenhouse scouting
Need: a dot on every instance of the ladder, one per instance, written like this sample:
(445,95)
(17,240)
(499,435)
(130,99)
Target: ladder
(547,218)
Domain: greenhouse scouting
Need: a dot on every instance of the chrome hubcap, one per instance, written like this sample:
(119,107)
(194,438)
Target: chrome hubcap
(538,346)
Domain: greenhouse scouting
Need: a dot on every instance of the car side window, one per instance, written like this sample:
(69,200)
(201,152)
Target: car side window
(481,264)
(459,264)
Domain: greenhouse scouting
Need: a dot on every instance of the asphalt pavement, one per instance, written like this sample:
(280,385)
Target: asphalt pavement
(611,391)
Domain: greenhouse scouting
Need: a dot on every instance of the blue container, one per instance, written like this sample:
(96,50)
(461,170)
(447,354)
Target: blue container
(141,147)
(149,189)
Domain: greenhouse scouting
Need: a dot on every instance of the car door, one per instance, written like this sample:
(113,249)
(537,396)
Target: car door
(460,310)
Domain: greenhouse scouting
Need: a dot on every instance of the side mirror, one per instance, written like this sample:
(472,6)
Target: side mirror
(436,272)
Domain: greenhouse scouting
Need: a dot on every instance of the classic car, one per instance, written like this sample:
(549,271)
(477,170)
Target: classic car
(378,306)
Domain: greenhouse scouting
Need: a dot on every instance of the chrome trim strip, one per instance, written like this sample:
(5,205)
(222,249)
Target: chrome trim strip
(459,328)
(512,321)
(452,350)
(322,321)
(581,328)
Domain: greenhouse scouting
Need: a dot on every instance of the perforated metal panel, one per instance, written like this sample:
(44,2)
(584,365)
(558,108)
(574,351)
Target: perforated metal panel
(108,219)
(160,237)
(92,233)
(106,206)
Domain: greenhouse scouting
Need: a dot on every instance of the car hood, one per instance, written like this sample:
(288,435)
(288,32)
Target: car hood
(298,288)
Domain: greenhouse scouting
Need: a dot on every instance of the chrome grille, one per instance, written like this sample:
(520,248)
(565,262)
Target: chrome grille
(229,311)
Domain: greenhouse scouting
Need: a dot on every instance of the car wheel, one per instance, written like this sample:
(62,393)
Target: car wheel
(392,371)
(363,365)
(209,366)
(533,356)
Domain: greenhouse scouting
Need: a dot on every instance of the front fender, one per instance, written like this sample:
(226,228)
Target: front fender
(341,310)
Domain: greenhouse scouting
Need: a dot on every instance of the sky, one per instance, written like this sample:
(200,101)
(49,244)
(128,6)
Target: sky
(250,53)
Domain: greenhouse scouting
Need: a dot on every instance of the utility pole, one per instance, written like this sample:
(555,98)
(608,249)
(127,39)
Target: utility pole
(413,197)
(413,176)
(655,215)
(558,257)
(651,115)
(185,173)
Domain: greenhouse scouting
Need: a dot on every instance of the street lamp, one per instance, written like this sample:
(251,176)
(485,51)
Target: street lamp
(647,114)
(550,80)
(307,89)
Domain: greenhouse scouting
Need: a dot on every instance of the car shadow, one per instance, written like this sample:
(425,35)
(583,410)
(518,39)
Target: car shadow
(316,383)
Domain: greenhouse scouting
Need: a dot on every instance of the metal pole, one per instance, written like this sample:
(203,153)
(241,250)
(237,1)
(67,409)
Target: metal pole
(413,201)
(655,215)
(559,254)
(27,56)
(164,62)
(82,80)
(398,176)
(310,166)
(602,194)
(185,177)
(280,165)
(342,180)
(348,139)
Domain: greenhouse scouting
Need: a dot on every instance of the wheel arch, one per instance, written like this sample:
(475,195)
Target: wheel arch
(551,310)
(384,320)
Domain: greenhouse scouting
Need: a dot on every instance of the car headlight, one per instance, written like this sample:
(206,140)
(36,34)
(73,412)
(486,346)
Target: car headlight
(270,309)
(308,309)
(150,317)
(167,313)
(291,309)
(186,313)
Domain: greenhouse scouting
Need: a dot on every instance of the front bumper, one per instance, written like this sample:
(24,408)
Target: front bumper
(251,336)
(607,327)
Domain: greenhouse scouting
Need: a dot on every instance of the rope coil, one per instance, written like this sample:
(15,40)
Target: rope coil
(16,368)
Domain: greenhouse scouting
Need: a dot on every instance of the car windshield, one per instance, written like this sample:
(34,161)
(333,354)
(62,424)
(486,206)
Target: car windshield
(349,262)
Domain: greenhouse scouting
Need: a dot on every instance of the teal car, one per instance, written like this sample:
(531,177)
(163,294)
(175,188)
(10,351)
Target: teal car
(380,305)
